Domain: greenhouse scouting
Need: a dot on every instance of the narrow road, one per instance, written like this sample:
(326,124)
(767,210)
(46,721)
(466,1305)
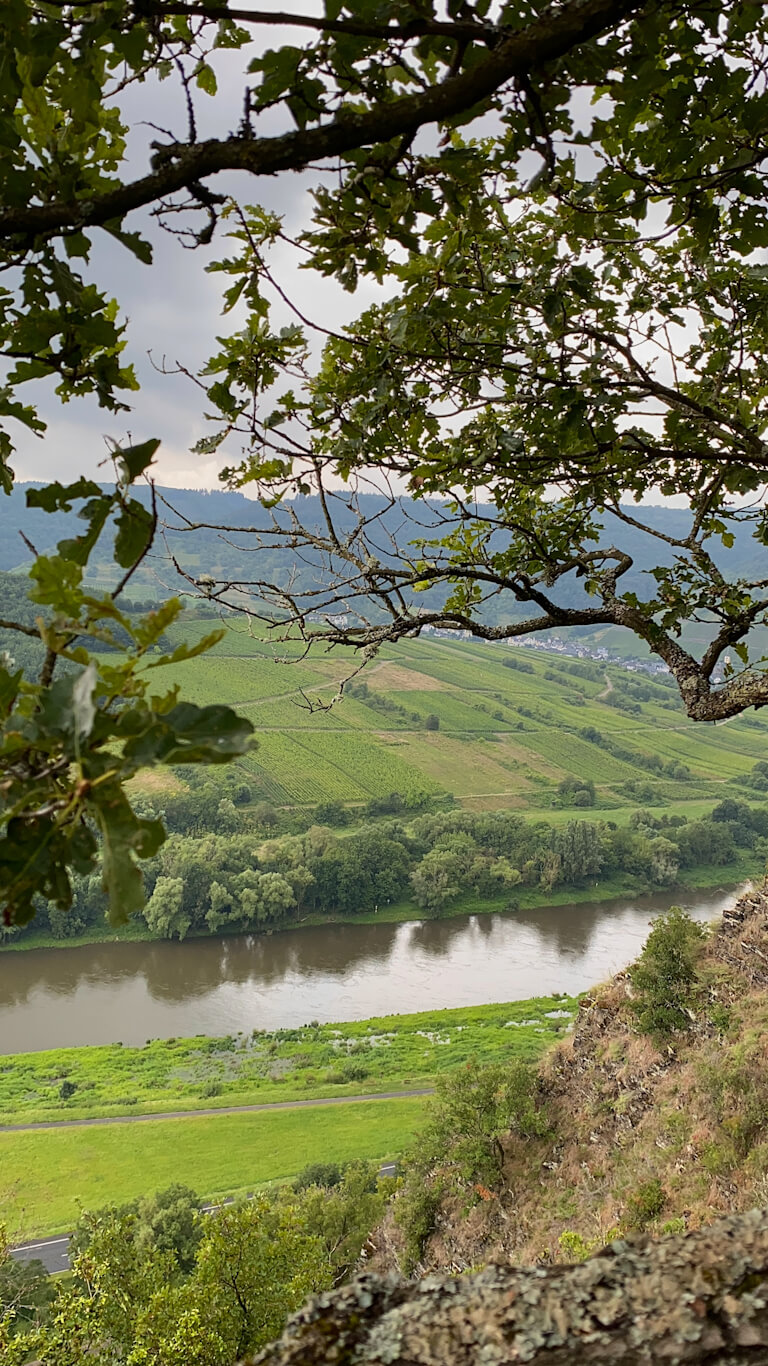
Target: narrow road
(220,1110)
(54,1252)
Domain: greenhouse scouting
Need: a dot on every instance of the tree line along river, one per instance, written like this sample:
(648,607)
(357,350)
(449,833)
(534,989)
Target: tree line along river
(130,992)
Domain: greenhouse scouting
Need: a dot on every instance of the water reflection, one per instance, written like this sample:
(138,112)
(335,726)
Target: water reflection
(102,993)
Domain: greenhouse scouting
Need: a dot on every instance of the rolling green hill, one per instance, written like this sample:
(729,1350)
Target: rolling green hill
(491,725)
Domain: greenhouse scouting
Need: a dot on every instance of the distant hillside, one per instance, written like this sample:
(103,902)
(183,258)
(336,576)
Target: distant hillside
(641,1133)
(204,551)
(491,725)
(26,652)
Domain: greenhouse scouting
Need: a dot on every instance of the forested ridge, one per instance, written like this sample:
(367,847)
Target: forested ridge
(191,538)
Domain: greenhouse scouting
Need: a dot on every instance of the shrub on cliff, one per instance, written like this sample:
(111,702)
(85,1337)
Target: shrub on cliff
(665,975)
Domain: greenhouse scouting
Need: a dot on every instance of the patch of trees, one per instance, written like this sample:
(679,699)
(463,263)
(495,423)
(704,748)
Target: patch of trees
(441,857)
(158,1281)
(576,792)
(241,883)
(641,689)
(621,703)
(757,779)
(580,669)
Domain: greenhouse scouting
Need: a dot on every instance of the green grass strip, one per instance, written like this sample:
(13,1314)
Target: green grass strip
(49,1176)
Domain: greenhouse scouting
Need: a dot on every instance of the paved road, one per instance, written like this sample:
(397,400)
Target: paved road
(54,1252)
(220,1110)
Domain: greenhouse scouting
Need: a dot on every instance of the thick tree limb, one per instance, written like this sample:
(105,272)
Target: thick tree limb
(349,576)
(467,30)
(699,1298)
(555,33)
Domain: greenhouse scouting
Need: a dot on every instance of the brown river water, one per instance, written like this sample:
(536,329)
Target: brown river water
(129,992)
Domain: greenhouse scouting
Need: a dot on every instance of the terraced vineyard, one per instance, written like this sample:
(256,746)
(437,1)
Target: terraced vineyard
(493,725)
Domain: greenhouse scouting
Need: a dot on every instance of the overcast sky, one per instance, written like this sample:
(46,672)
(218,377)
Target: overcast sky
(173,307)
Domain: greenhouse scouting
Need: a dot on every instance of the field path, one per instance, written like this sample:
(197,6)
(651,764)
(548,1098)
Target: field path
(294,692)
(220,1110)
(607,690)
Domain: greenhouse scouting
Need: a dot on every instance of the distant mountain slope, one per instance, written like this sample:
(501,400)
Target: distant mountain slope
(206,551)
(494,725)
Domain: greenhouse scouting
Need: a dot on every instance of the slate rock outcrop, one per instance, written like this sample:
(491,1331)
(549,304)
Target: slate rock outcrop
(702,1297)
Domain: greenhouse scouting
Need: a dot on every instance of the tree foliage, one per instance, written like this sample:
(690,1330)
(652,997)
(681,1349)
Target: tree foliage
(159,1283)
(151,1287)
(165,1221)
(474,1108)
(25,1295)
(665,975)
(576,320)
(69,742)
(226,884)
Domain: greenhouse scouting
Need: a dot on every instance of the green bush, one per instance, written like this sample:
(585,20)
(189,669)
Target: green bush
(645,1204)
(325,1174)
(349,1071)
(574,1246)
(415,1213)
(672,1227)
(664,978)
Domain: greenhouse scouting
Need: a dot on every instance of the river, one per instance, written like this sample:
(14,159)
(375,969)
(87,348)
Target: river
(131,992)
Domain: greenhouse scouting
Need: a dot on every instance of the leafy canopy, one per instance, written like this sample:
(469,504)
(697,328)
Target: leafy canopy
(567,206)
(160,1282)
(556,348)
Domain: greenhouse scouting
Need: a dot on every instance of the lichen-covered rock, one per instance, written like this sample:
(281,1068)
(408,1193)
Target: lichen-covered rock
(699,1298)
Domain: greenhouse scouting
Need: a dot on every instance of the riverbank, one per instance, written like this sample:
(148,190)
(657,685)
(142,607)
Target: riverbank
(703,876)
(126,993)
(383,1054)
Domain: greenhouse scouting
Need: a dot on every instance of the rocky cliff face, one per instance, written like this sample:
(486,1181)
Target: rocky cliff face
(642,1137)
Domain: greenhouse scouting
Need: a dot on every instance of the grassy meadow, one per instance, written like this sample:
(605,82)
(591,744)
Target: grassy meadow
(47,1177)
(506,737)
(393,1053)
